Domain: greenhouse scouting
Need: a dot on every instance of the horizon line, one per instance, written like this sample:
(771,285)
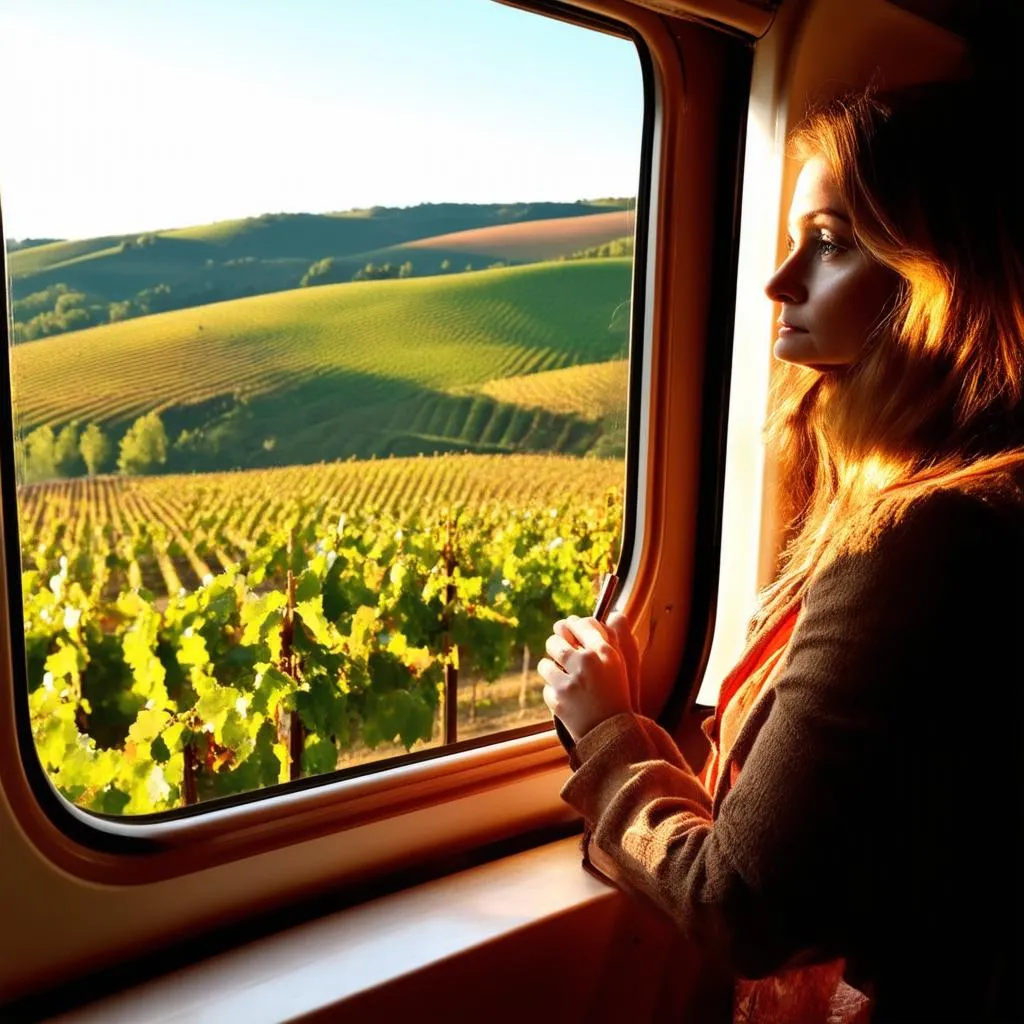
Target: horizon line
(47,239)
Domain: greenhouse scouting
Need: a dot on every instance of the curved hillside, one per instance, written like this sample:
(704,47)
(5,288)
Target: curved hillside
(353,369)
(304,236)
(533,240)
(38,258)
(592,391)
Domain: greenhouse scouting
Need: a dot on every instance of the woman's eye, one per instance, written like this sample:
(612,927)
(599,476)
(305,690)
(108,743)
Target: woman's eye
(820,242)
(826,246)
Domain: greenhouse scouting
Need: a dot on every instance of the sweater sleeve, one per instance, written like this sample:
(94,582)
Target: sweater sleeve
(804,841)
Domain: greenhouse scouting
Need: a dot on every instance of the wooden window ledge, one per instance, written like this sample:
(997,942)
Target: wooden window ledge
(527,934)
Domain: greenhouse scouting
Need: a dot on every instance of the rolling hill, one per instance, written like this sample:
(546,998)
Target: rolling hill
(534,240)
(306,236)
(481,248)
(352,370)
(593,391)
(230,259)
(115,277)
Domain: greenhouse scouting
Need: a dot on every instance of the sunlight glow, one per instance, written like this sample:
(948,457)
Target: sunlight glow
(162,115)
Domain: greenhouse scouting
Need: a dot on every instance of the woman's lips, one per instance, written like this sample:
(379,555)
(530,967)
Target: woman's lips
(787,329)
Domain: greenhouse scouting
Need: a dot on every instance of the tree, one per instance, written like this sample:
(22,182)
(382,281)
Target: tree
(123,310)
(67,458)
(386,271)
(155,300)
(143,447)
(95,448)
(321,272)
(68,301)
(39,454)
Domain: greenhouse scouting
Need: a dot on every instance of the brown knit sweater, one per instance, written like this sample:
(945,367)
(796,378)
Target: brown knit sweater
(877,817)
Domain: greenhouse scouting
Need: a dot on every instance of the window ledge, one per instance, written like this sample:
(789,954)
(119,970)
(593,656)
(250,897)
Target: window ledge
(319,966)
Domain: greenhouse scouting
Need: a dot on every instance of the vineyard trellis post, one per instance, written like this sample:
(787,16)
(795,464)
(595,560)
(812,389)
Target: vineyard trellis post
(188,795)
(296,730)
(451,672)
(524,681)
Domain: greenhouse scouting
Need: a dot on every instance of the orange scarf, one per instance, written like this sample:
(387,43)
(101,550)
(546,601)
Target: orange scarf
(808,995)
(742,686)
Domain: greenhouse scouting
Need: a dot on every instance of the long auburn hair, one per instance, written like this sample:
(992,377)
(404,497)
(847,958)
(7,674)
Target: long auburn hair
(935,398)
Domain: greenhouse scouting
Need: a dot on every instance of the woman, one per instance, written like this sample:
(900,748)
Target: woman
(839,855)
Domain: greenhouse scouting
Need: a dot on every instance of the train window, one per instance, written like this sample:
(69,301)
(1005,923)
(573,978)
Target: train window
(319,356)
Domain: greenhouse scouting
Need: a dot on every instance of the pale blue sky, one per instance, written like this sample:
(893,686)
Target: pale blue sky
(132,115)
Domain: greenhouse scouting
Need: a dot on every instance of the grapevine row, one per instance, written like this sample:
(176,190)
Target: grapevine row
(321,631)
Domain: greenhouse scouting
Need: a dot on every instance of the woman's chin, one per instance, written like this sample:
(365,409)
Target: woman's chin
(795,348)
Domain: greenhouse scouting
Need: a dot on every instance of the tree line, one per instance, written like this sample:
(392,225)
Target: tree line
(74,450)
(608,250)
(338,270)
(60,308)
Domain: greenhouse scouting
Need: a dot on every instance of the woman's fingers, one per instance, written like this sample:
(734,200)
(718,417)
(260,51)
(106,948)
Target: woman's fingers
(587,679)
(561,627)
(589,632)
(559,649)
(552,674)
(569,628)
(619,627)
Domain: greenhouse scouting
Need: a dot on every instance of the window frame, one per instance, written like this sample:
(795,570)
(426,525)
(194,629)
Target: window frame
(375,783)
(488,789)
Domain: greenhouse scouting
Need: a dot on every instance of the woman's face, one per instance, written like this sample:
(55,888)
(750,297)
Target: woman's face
(832,294)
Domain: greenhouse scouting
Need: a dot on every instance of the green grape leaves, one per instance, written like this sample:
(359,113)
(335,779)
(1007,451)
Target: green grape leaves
(139,703)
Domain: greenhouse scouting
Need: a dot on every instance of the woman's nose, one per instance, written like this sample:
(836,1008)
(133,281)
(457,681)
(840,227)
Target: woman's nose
(786,284)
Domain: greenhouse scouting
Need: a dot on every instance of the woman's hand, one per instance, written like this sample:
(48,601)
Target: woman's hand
(591,672)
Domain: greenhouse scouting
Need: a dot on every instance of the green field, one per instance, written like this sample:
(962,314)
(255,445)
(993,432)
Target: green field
(354,370)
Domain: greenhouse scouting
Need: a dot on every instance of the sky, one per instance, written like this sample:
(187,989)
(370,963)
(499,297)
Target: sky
(138,115)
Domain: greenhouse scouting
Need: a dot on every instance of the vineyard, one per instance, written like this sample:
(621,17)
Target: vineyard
(189,638)
(392,344)
(593,390)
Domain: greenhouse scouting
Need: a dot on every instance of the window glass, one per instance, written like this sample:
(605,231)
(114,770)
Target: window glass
(320,318)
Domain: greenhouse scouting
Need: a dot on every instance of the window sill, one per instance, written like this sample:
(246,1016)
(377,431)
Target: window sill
(352,960)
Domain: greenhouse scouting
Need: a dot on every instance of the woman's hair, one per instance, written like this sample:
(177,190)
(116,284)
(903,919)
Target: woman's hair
(935,397)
